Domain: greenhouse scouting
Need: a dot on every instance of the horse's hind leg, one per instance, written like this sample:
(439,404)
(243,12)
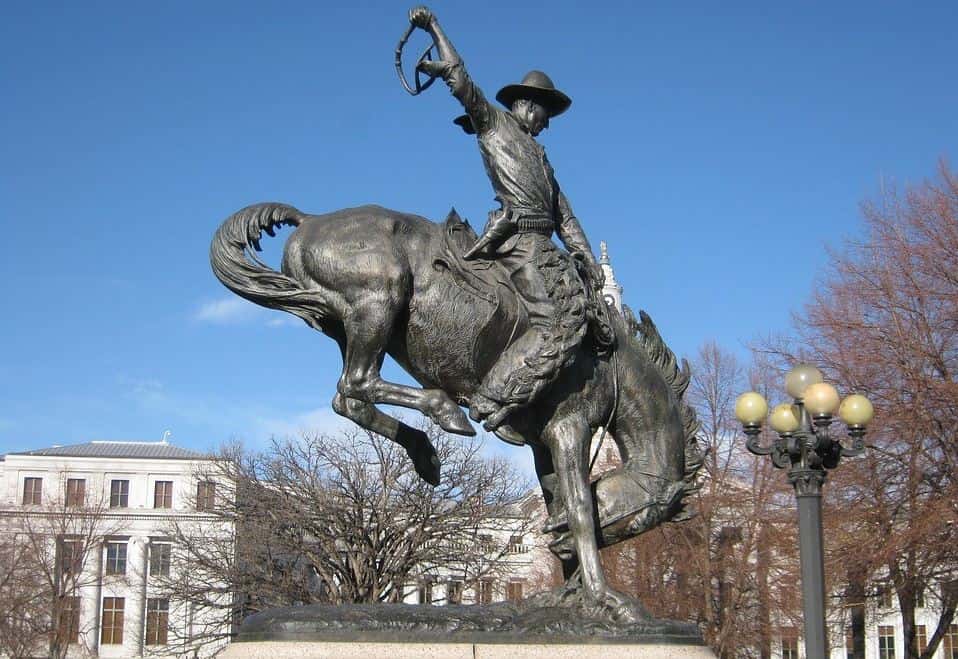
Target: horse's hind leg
(415,441)
(368,328)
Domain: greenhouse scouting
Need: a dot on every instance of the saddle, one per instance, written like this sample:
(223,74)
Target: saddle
(489,281)
(486,280)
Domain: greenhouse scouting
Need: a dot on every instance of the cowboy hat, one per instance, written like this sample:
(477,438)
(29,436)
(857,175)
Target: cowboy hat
(539,88)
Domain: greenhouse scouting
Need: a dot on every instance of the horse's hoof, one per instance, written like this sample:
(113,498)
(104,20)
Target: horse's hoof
(623,609)
(454,420)
(428,468)
(431,473)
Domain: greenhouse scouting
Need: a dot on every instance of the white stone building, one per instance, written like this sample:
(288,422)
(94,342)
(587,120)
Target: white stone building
(523,568)
(109,506)
(884,632)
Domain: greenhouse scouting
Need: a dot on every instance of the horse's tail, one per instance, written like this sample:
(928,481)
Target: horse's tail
(678,378)
(234,261)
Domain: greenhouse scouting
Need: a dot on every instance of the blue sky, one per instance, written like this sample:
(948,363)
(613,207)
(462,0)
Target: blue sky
(718,147)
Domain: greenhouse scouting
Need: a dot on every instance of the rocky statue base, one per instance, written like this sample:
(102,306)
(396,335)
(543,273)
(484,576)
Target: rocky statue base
(497,630)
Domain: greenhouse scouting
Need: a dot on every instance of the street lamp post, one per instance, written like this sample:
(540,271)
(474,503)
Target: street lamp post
(806,448)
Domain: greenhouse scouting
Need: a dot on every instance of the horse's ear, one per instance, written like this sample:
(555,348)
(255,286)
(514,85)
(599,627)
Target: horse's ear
(453,216)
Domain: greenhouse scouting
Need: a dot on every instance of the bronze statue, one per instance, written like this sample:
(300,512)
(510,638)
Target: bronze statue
(500,323)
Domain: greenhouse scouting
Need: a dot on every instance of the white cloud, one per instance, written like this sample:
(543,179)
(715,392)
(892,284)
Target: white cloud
(321,420)
(226,310)
(142,387)
(283,320)
(233,310)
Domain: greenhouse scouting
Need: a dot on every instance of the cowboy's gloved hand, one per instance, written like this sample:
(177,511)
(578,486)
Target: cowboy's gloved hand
(431,68)
(421,17)
(479,250)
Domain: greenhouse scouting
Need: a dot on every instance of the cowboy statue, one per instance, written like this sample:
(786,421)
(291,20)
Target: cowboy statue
(518,235)
(441,300)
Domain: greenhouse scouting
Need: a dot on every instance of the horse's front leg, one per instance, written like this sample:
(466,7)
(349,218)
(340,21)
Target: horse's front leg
(569,442)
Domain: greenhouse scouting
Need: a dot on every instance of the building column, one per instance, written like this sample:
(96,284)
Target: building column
(97,600)
(140,556)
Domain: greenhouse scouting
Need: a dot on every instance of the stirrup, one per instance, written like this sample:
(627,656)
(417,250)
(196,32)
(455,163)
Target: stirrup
(498,418)
(507,433)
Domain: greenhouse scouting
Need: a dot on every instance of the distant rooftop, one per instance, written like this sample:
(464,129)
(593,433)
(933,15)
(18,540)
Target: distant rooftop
(111,449)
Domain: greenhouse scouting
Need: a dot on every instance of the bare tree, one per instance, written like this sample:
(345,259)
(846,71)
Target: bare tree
(24,603)
(340,519)
(884,321)
(48,556)
(738,543)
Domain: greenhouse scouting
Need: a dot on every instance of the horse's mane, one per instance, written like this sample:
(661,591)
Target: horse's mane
(644,334)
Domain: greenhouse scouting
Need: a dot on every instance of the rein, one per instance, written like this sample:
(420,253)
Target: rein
(615,405)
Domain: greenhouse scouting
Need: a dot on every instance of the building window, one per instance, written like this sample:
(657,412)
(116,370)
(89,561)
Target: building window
(486,544)
(886,642)
(71,558)
(68,626)
(514,591)
(425,592)
(485,591)
(849,643)
(76,492)
(921,638)
(112,625)
(454,592)
(515,544)
(157,620)
(789,643)
(32,490)
(163,494)
(205,495)
(949,643)
(119,494)
(920,597)
(160,554)
(116,557)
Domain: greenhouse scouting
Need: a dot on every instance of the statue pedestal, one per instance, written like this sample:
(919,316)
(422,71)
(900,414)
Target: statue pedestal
(413,650)
(497,631)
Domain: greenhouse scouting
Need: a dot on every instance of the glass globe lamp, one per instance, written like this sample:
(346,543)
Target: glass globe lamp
(799,378)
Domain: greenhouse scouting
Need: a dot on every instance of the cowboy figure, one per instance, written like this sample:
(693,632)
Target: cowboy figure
(519,234)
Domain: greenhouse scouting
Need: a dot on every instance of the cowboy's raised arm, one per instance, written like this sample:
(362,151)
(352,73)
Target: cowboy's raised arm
(450,68)
(573,237)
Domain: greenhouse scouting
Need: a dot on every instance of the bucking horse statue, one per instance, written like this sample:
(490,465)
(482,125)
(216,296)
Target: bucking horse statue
(380,282)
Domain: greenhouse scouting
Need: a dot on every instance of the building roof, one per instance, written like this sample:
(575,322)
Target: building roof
(116,449)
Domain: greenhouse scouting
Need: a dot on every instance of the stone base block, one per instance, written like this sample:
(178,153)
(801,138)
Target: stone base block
(413,650)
